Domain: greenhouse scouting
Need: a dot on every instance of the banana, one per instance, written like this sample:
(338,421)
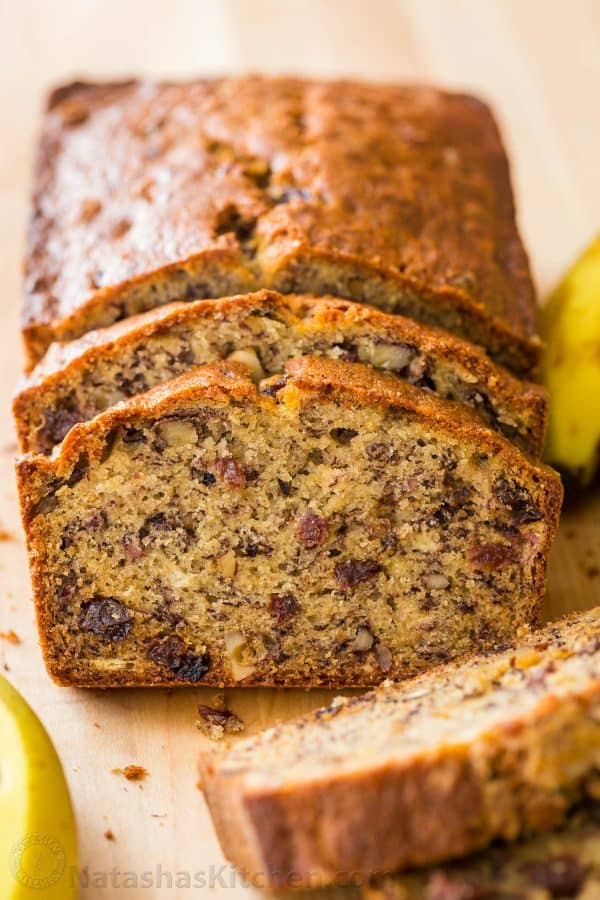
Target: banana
(571,369)
(38,844)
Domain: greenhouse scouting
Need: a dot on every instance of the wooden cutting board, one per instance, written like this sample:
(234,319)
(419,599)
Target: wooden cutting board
(538,62)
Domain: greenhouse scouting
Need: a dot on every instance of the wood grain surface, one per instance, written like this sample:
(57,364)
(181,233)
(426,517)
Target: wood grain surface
(538,62)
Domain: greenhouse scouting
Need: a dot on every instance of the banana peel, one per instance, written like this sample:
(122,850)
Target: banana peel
(38,844)
(571,369)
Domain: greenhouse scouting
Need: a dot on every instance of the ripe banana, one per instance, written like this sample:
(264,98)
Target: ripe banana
(571,324)
(38,846)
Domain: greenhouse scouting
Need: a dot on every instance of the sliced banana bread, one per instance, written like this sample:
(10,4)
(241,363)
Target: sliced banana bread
(562,864)
(341,527)
(77,380)
(417,773)
(397,196)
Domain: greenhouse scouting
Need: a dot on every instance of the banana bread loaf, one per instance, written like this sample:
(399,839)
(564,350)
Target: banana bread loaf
(562,864)
(397,196)
(77,380)
(340,527)
(417,773)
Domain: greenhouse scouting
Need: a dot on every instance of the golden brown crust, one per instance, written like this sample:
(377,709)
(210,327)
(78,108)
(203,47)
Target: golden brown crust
(399,196)
(424,807)
(65,363)
(306,379)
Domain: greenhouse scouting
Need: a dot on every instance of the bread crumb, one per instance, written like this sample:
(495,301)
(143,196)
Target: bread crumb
(11,636)
(217,721)
(6,535)
(132,773)
(135,773)
(109,835)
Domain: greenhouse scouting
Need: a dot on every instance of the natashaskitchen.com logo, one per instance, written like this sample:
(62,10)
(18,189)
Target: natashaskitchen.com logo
(38,861)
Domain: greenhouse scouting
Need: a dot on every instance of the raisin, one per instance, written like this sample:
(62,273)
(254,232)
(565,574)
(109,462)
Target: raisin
(201,475)
(66,590)
(489,557)
(158,522)
(518,500)
(68,533)
(285,487)
(221,717)
(562,876)
(283,607)
(255,547)
(271,388)
(133,436)
(461,496)
(106,617)
(57,423)
(44,505)
(311,530)
(343,436)
(172,653)
(442,515)
(458,492)
(349,351)
(187,356)
(135,384)
(465,605)
(231,473)
(381,452)
(354,571)
(97,520)
(79,470)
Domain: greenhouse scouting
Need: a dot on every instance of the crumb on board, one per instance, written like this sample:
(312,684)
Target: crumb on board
(592,571)
(217,721)
(96,724)
(6,535)
(11,636)
(132,773)
(109,835)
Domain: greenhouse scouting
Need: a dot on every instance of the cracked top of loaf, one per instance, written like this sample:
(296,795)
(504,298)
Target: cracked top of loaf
(399,196)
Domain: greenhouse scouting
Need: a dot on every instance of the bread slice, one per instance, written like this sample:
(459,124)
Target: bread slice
(338,528)
(396,196)
(77,380)
(416,773)
(564,863)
